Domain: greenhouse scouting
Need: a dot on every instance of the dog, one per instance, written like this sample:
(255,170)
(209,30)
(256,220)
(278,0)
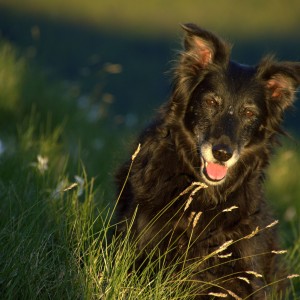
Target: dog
(194,194)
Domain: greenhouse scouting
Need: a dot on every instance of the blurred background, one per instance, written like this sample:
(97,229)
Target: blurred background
(100,67)
(124,48)
(78,81)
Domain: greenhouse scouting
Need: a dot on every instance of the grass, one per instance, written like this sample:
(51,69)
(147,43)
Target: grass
(56,209)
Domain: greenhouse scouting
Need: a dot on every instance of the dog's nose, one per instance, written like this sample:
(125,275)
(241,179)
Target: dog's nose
(222,152)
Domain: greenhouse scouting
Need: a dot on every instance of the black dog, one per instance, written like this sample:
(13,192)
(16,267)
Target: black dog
(195,188)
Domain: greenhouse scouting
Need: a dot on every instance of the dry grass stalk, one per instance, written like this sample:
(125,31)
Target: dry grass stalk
(223,247)
(244,279)
(230,208)
(279,251)
(191,217)
(293,276)
(197,217)
(70,187)
(225,255)
(195,183)
(199,186)
(257,275)
(188,202)
(252,234)
(136,152)
(220,295)
(232,294)
(272,224)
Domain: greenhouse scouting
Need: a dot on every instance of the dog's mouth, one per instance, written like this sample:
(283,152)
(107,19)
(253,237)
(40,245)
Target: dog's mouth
(215,163)
(213,172)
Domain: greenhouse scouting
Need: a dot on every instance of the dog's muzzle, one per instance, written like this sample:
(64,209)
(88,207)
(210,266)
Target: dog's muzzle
(216,161)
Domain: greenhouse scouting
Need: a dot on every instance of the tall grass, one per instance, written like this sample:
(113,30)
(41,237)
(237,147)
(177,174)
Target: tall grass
(57,242)
(56,222)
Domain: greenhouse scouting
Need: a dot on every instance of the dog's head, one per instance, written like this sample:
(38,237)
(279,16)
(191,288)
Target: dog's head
(230,109)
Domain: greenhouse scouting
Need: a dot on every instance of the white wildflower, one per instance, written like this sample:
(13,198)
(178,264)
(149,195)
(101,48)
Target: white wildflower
(41,164)
(80,183)
(60,188)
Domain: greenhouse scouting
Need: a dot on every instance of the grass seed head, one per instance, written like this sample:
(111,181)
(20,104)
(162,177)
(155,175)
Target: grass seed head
(230,208)
(257,275)
(197,217)
(279,251)
(235,296)
(136,152)
(191,217)
(220,295)
(272,224)
(70,187)
(224,246)
(188,202)
(244,279)
(225,255)
(253,233)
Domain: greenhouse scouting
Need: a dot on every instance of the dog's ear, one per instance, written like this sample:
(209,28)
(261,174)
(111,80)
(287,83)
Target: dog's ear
(281,80)
(205,47)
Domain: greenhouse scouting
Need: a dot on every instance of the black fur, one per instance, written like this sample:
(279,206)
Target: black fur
(219,128)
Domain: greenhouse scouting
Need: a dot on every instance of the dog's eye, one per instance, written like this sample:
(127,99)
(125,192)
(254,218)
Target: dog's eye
(211,102)
(248,113)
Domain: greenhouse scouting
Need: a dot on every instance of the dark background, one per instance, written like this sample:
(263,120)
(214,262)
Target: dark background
(78,53)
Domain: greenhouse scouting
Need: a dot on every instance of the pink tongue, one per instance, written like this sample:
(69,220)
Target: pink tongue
(216,171)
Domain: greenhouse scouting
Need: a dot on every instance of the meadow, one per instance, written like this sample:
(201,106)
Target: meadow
(60,142)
